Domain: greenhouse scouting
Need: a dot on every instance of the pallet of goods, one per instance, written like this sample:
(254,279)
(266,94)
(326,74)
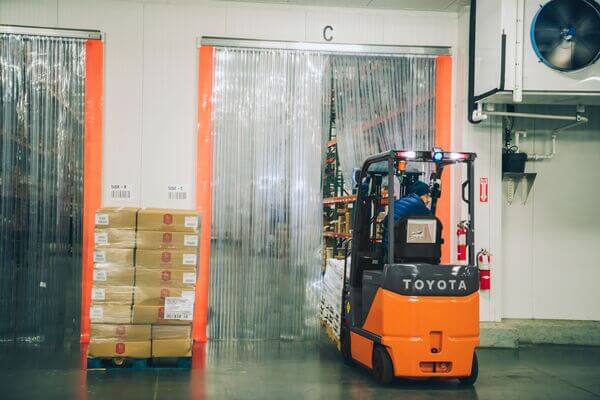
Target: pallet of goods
(145,266)
(330,305)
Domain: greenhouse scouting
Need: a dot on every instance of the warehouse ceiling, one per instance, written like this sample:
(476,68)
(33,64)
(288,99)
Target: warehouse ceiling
(423,5)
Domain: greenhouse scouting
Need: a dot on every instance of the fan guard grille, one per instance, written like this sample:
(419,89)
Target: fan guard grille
(565,34)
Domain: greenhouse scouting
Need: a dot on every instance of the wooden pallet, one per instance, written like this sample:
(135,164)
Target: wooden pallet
(331,334)
(139,363)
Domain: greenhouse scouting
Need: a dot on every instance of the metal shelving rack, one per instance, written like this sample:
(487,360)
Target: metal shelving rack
(336,200)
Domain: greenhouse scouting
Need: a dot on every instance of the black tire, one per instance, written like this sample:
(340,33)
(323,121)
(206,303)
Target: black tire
(383,369)
(471,379)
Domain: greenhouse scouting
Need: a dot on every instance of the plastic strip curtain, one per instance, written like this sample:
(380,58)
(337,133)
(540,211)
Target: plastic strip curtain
(270,113)
(41,128)
(382,103)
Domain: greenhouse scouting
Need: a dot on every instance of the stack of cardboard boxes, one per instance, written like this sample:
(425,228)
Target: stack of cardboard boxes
(144,282)
(165,278)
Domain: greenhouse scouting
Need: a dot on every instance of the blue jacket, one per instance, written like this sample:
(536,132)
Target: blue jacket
(409,205)
(406,206)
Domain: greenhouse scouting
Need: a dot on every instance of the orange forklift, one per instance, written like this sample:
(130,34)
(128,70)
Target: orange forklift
(404,314)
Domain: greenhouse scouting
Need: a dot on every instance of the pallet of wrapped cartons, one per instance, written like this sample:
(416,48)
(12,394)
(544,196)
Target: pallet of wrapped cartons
(111,334)
(166,265)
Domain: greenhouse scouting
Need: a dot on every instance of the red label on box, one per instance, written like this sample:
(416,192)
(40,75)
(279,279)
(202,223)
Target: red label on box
(164,293)
(167,238)
(161,312)
(166,275)
(120,330)
(167,219)
(120,348)
(166,257)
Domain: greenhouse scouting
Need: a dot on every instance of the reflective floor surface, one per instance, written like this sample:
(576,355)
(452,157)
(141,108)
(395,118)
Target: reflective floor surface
(292,370)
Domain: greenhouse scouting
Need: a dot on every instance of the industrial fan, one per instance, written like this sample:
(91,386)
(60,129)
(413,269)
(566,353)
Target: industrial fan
(565,34)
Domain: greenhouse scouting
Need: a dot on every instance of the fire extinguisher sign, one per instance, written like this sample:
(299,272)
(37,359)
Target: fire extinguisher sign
(483,190)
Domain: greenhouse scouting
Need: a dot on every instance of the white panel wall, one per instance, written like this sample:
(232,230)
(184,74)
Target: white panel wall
(355,26)
(123,63)
(550,244)
(542,265)
(485,140)
(170,82)
(30,12)
(151,68)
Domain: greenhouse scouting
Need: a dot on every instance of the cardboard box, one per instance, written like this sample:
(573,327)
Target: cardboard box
(155,295)
(116,348)
(121,332)
(166,258)
(112,275)
(115,238)
(172,348)
(110,313)
(170,220)
(153,315)
(163,277)
(155,240)
(171,331)
(108,255)
(116,217)
(112,295)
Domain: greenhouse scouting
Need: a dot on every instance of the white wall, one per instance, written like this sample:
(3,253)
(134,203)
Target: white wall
(549,244)
(485,140)
(542,264)
(151,69)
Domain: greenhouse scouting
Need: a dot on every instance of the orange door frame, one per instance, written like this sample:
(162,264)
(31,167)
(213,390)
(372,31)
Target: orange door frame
(204,187)
(443,139)
(92,171)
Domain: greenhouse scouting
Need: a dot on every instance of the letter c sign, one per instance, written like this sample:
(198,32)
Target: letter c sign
(326,35)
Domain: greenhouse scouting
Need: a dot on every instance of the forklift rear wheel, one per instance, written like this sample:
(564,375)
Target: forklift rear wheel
(470,380)
(383,369)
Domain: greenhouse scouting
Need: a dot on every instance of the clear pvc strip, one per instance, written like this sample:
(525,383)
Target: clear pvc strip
(382,103)
(268,125)
(41,158)
(271,114)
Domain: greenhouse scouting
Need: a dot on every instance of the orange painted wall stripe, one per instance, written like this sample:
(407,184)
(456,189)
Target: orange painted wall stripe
(92,171)
(443,139)
(204,187)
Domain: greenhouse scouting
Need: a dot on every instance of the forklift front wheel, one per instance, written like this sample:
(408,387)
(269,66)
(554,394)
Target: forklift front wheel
(470,380)
(383,369)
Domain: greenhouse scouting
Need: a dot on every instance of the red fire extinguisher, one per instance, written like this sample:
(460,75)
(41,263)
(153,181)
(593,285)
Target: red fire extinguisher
(484,259)
(461,241)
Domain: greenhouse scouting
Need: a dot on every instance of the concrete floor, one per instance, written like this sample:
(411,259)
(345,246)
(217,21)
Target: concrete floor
(284,370)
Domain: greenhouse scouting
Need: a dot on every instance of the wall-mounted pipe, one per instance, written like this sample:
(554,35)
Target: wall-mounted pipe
(536,157)
(577,119)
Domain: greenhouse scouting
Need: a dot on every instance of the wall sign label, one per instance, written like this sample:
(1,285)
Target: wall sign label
(121,191)
(327,33)
(177,192)
(483,190)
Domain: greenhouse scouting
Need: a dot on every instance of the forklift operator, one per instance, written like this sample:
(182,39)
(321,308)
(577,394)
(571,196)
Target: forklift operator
(416,202)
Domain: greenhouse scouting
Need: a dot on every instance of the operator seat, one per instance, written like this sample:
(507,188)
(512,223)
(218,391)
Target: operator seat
(418,239)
